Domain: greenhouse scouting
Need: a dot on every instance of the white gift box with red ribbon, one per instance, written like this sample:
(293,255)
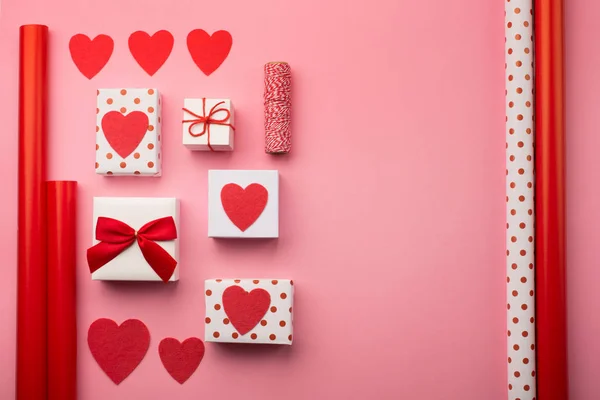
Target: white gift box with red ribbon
(131,214)
(208,124)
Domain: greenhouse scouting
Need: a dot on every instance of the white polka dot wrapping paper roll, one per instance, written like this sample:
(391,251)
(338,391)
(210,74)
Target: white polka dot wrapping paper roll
(519,201)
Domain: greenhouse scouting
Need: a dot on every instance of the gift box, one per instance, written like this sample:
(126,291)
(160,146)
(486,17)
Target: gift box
(128,126)
(249,311)
(243,204)
(135,239)
(208,124)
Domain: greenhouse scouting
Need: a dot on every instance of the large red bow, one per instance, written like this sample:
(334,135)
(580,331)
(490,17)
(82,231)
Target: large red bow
(115,236)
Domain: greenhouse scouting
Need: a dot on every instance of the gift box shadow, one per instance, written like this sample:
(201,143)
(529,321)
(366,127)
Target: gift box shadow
(251,350)
(236,245)
(142,287)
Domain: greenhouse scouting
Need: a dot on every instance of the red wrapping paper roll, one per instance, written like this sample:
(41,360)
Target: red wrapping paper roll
(550,201)
(31,237)
(62,327)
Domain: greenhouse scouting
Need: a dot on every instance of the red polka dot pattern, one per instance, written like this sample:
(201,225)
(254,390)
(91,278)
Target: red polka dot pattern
(519,200)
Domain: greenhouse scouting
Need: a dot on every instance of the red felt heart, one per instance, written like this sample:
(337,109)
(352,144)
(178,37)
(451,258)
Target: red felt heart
(244,309)
(181,359)
(90,56)
(118,349)
(124,132)
(244,206)
(151,52)
(209,52)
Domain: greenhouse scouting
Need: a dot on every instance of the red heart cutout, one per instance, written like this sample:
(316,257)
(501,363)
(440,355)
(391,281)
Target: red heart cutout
(181,359)
(151,52)
(209,52)
(124,132)
(244,206)
(90,56)
(118,350)
(245,310)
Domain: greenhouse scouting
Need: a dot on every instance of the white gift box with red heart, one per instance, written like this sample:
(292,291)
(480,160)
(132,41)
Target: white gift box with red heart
(243,203)
(208,124)
(249,311)
(128,132)
(135,220)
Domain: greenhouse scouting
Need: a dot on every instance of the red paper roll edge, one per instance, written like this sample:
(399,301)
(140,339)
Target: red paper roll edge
(551,321)
(31,366)
(62,310)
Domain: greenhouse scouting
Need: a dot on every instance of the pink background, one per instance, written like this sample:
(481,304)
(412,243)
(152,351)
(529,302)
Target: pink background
(392,221)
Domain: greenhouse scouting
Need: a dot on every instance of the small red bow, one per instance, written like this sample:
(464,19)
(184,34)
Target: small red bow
(207,120)
(115,236)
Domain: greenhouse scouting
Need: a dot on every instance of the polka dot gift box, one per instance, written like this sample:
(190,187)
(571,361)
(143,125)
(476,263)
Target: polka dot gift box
(128,125)
(249,311)
(135,239)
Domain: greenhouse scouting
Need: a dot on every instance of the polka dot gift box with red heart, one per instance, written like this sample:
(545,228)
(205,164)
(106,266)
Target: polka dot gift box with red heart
(249,311)
(243,203)
(128,127)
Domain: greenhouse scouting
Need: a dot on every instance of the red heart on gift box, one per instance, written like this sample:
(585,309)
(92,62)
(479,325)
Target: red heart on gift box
(181,359)
(118,350)
(245,309)
(151,52)
(124,132)
(244,206)
(209,52)
(90,56)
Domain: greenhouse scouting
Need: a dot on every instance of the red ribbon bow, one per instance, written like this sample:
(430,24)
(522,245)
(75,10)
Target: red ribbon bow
(207,120)
(115,236)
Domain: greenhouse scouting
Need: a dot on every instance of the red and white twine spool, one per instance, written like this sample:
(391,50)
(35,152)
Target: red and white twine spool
(278,104)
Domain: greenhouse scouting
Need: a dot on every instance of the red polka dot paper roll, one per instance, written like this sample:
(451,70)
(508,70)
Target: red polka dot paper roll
(249,311)
(519,201)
